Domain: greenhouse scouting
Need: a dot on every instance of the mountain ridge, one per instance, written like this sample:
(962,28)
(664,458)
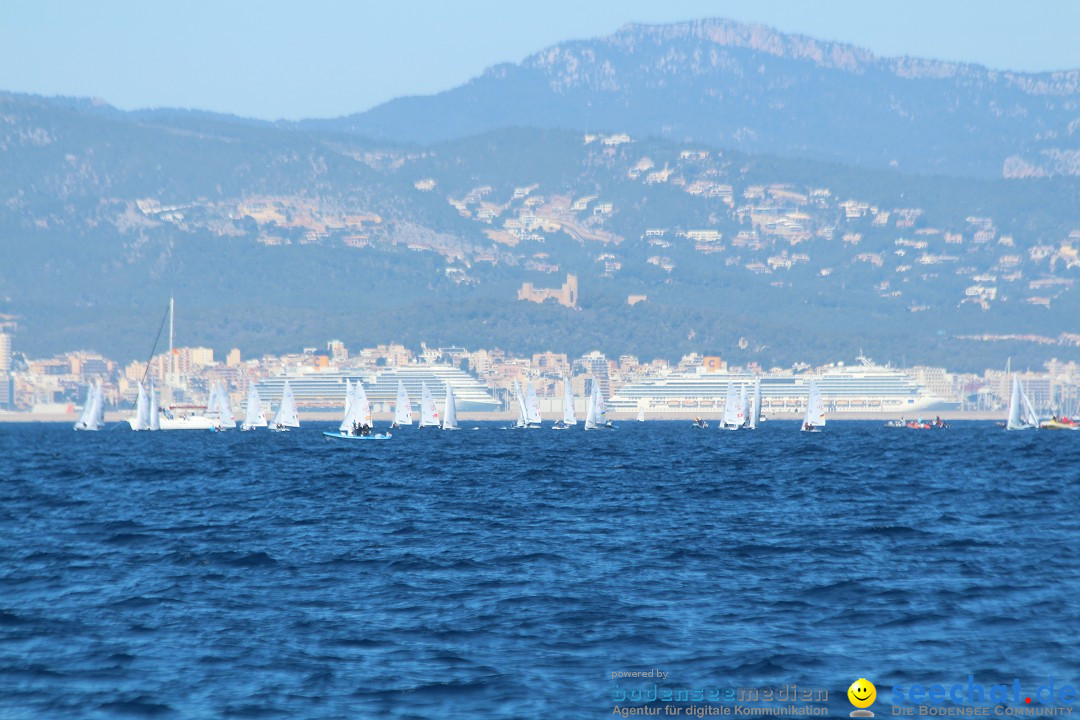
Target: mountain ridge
(738,86)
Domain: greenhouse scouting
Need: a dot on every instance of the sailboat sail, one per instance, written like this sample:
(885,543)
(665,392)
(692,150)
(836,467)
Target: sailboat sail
(532,405)
(212,407)
(744,406)
(98,418)
(523,414)
(641,415)
(86,419)
(597,414)
(569,416)
(286,416)
(815,409)
(253,412)
(155,411)
(351,407)
(755,411)
(450,410)
(590,408)
(429,414)
(142,410)
(361,406)
(403,407)
(732,414)
(1021,414)
(225,411)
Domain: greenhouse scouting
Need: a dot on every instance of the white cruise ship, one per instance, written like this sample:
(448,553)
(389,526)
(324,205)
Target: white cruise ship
(315,389)
(865,387)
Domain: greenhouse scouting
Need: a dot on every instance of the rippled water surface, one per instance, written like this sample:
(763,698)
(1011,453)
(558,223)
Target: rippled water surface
(508,574)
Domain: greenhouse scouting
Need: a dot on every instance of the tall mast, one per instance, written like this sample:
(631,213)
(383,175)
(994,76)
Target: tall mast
(172,358)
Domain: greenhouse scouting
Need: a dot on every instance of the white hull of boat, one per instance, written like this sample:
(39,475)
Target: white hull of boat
(192,422)
(343,436)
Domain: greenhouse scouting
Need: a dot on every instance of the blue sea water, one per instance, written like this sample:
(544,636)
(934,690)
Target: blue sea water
(508,574)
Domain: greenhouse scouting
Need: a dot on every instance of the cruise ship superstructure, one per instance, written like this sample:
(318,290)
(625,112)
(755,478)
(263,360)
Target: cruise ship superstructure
(865,387)
(325,388)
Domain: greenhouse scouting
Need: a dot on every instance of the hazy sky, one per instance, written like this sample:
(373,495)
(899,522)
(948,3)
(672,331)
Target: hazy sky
(274,59)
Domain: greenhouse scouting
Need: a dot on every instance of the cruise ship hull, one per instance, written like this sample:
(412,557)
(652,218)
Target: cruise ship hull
(871,389)
(326,389)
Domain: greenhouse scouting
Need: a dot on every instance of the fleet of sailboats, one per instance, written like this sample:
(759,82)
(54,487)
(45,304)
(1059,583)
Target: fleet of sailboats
(742,409)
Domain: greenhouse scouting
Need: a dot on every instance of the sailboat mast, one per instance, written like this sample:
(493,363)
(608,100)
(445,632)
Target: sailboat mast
(172,358)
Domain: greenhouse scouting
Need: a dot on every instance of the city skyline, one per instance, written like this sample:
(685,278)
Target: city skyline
(330,59)
(664,386)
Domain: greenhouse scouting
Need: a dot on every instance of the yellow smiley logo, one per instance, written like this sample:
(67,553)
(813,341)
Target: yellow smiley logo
(862,693)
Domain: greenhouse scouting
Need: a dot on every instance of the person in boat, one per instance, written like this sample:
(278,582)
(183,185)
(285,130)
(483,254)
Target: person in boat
(560,424)
(365,430)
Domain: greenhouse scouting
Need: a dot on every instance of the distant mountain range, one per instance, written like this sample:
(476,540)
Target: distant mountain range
(421,220)
(752,88)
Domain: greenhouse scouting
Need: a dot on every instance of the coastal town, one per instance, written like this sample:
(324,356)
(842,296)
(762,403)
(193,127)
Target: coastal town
(695,383)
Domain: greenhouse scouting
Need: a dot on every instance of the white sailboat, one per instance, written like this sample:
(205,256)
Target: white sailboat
(429,414)
(213,408)
(155,411)
(523,413)
(1021,414)
(596,417)
(357,423)
(569,416)
(641,415)
(253,412)
(755,411)
(814,420)
(286,416)
(176,417)
(225,411)
(93,414)
(744,406)
(532,406)
(354,409)
(141,420)
(402,408)
(733,416)
(218,409)
(450,410)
